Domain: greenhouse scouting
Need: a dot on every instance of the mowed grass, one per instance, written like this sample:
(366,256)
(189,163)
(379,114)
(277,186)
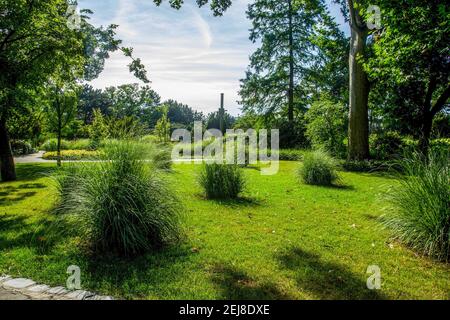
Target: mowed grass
(282,240)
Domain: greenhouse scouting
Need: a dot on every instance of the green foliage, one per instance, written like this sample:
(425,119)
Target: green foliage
(290,154)
(218,7)
(162,128)
(413,86)
(440,145)
(21,147)
(162,156)
(125,128)
(51,145)
(318,169)
(366,165)
(130,100)
(298,42)
(386,146)
(73,155)
(120,205)
(327,126)
(98,130)
(221,181)
(420,213)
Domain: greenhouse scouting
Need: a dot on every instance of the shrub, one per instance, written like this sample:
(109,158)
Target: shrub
(221,181)
(21,148)
(327,126)
(386,146)
(72,155)
(121,204)
(440,145)
(98,130)
(365,165)
(291,154)
(420,211)
(52,145)
(318,169)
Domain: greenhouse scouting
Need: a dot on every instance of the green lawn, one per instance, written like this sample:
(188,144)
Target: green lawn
(283,240)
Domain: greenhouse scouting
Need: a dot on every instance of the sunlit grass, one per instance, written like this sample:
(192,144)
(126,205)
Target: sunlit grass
(280,240)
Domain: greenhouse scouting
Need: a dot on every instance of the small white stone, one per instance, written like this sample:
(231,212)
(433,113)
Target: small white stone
(19,283)
(39,288)
(4,278)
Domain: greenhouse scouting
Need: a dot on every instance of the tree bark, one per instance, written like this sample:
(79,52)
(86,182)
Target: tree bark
(291,67)
(7,166)
(358,140)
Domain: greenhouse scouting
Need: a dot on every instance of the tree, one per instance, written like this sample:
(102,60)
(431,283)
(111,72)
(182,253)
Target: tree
(162,128)
(213,120)
(131,100)
(417,80)
(35,40)
(279,67)
(90,100)
(218,7)
(98,130)
(358,130)
(326,125)
(180,115)
(61,110)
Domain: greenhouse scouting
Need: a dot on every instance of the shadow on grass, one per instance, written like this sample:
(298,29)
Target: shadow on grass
(136,278)
(11,194)
(30,172)
(16,232)
(233,203)
(343,187)
(326,280)
(236,284)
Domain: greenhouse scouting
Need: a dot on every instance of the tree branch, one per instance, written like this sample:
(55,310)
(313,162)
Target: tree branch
(441,101)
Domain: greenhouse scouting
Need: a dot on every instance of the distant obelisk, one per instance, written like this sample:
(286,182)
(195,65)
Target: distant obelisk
(222,113)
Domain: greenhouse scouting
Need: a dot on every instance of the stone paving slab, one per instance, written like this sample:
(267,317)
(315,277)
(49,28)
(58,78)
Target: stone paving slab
(27,289)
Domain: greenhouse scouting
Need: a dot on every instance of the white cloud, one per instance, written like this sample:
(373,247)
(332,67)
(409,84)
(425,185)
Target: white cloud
(190,55)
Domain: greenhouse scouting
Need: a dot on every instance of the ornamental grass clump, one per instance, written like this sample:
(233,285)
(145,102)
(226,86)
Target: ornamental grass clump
(221,181)
(318,169)
(419,215)
(120,204)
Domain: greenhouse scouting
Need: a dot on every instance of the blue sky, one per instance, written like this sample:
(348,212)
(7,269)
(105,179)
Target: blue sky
(191,56)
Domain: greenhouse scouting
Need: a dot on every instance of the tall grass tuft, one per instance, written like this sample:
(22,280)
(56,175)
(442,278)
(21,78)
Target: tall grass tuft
(318,169)
(120,204)
(420,211)
(221,181)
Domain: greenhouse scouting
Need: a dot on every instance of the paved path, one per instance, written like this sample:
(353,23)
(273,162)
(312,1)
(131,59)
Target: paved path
(12,295)
(33,158)
(26,289)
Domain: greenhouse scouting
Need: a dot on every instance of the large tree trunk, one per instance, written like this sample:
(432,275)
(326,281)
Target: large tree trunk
(7,167)
(291,67)
(358,140)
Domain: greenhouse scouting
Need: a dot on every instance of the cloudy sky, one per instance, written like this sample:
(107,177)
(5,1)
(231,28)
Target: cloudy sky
(191,56)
